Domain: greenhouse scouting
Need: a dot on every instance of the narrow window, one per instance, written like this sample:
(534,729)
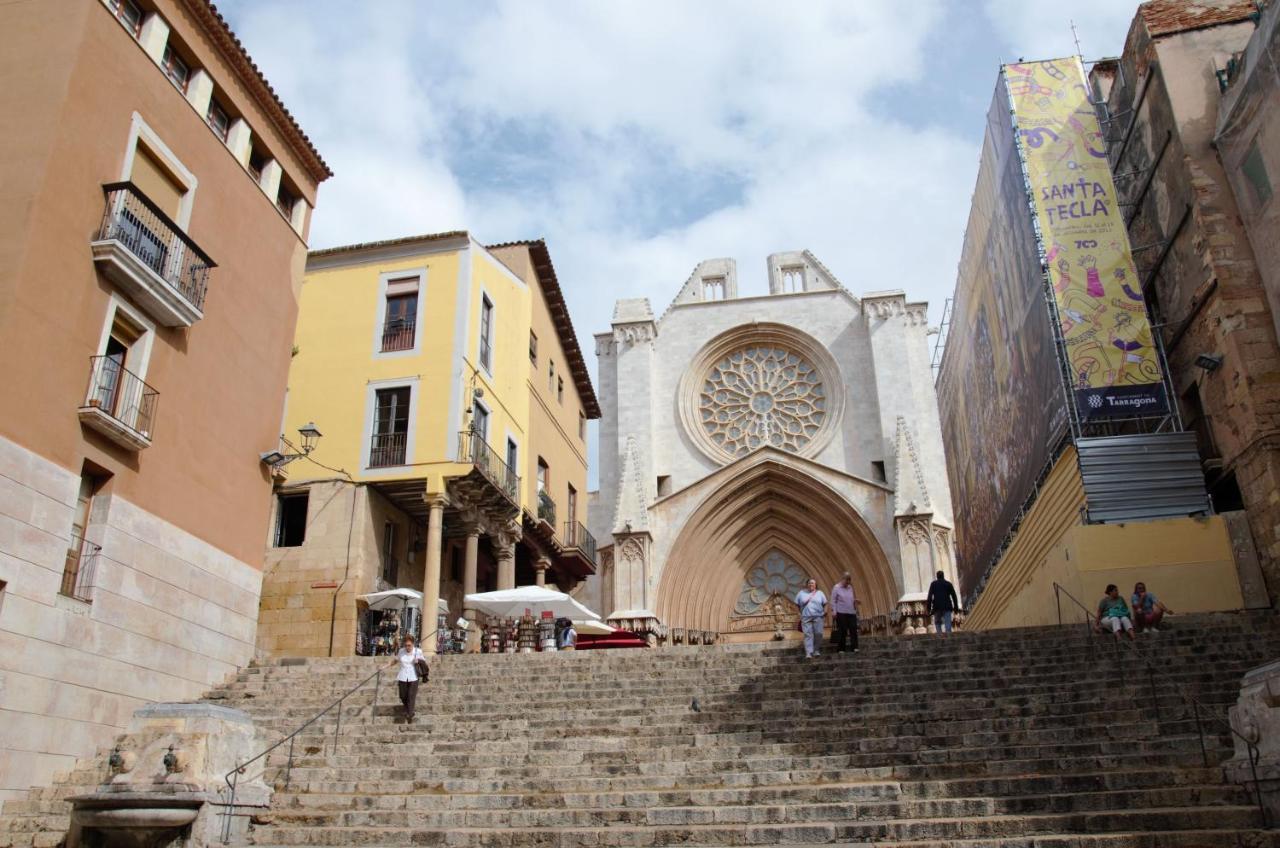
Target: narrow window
(291,519)
(486,333)
(543,472)
(390,427)
(81,561)
(399,325)
(175,68)
(513,454)
(877,471)
(286,199)
(713,288)
(218,119)
(3,586)
(390,565)
(572,514)
(480,423)
(1255,171)
(257,162)
(560,389)
(664,485)
(582,426)
(533,348)
(129,13)
(551,377)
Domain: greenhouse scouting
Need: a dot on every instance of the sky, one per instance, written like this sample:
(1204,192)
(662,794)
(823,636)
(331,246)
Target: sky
(639,138)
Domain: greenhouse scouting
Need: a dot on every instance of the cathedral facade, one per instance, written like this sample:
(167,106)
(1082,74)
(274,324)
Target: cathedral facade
(749,443)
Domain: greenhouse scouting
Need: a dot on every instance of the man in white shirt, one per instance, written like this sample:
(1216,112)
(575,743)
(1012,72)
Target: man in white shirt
(844,603)
(813,609)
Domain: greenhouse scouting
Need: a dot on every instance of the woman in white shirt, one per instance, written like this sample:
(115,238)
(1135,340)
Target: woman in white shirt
(407,679)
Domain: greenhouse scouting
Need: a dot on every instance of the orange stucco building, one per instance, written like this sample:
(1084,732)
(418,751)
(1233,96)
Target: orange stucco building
(152,244)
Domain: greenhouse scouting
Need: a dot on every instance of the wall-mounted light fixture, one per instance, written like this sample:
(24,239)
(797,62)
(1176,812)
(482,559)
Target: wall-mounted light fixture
(279,459)
(1208,361)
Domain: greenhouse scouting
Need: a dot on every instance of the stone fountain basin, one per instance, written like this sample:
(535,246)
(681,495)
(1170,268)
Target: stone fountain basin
(138,810)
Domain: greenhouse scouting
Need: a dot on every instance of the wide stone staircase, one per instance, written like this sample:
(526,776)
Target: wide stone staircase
(1031,737)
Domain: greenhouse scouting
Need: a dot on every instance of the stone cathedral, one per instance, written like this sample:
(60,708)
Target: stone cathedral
(749,443)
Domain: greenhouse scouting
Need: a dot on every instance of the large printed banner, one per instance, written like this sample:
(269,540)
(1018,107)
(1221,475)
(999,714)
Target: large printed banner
(1115,371)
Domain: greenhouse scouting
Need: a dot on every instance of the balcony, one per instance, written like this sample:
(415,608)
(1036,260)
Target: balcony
(546,508)
(577,538)
(81,569)
(119,405)
(387,449)
(490,482)
(398,334)
(150,258)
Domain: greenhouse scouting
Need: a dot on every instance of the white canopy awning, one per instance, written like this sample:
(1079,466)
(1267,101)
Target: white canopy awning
(512,603)
(399,599)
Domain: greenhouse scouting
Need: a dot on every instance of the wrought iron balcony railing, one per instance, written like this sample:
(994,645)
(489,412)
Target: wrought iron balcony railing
(473,449)
(132,219)
(81,569)
(577,536)
(118,398)
(546,508)
(397,334)
(387,449)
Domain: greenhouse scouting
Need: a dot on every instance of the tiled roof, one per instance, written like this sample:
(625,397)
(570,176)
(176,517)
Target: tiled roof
(1167,17)
(367,245)
(541,258)
(208,15)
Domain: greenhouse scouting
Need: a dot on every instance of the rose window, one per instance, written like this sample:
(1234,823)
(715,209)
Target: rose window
(758,396)
(772,575)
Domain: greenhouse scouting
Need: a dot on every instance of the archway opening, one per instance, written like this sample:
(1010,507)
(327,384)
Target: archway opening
(768,508)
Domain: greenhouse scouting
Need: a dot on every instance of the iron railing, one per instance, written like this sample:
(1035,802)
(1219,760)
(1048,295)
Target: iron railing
(387,449)
(1198,709)
(121,394)
(546,508)
(132,219)
(232,777)
(577,536)
(80,571)
(398,334)
(473,449)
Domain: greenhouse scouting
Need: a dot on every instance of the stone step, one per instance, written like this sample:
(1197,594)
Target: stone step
(806,830)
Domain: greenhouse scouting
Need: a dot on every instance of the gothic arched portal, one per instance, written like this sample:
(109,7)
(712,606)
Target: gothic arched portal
(770,508)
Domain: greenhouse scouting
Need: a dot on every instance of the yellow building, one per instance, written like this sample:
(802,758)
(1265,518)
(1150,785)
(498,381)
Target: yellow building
(453,398)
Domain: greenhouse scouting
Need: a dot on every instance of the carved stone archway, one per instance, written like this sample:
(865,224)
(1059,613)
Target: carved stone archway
(769,507)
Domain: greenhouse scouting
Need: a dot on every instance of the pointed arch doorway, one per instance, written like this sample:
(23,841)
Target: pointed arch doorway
(733,564)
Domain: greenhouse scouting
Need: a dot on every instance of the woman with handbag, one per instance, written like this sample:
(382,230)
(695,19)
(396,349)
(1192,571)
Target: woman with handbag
(413,669)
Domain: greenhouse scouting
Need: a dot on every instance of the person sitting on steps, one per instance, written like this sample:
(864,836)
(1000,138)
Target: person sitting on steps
(1147,609)
(1113,613)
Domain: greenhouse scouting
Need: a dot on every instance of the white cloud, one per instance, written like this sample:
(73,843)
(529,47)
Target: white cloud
(1041,29)
(637,137)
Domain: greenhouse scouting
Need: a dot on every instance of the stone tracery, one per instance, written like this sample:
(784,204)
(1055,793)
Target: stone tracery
(762,395)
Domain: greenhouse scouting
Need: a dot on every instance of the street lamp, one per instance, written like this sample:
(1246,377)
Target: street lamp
(277,459)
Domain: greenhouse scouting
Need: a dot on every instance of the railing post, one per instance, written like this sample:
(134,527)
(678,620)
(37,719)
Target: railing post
(231,808)
(337,727)
(1254,755)
(288,768)
(1057,599)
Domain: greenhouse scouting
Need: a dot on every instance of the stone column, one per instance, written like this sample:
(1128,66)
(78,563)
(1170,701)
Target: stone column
(541,567)
(431,582)
(469,568)
(505,551)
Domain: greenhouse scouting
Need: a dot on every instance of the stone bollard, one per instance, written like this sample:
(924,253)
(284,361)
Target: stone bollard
(1256,716)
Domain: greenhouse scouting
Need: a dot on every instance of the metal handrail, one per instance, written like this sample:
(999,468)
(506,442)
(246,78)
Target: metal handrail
(232,777)
(1254,753)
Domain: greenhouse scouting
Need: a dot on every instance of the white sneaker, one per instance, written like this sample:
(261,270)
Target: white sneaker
(1153,629)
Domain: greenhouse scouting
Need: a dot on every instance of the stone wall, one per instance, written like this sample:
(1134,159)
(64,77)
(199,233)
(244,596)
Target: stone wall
(170,616)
